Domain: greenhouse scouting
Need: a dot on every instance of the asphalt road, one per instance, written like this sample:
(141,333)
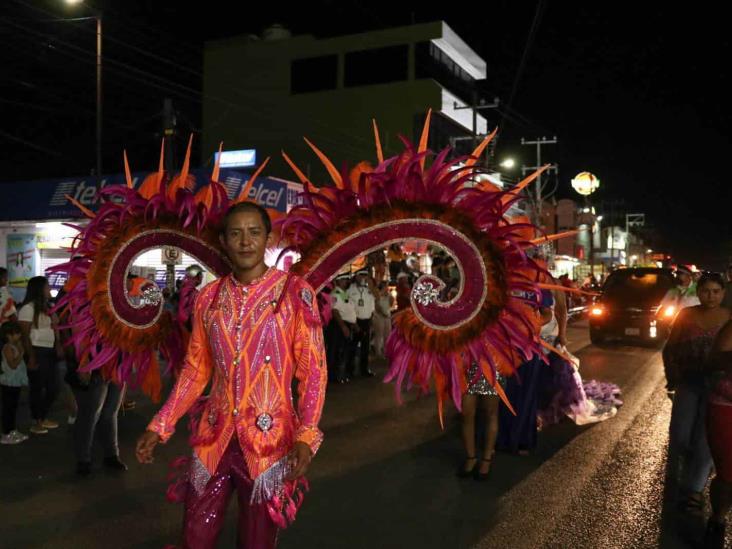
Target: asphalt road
(385,478)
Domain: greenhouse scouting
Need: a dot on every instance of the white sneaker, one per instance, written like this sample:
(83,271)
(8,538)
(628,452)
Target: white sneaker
(9,439)
(20,436)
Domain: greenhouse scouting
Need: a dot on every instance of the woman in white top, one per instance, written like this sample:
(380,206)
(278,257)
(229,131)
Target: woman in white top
(39,341)
(382,318)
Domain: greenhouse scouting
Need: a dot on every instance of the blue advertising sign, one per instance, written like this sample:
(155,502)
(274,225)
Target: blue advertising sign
(246,158)
(47,199)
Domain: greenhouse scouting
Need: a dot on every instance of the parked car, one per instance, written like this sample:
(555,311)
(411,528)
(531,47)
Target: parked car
(629,306)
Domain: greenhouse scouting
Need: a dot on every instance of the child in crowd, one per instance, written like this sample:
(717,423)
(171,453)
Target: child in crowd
(13,377)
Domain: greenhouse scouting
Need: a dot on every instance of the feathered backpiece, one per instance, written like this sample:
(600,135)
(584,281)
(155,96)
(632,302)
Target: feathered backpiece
(492,321)
(112,330)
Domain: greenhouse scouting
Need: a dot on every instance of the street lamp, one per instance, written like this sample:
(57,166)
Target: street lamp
(585,184)
(98,17)
(508,163)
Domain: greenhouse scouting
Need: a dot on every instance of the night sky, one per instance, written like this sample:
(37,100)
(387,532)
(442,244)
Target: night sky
(637,95)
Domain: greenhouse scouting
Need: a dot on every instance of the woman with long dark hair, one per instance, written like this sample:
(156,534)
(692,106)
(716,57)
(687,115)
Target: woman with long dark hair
(39,342)
(686,357)
(719,435)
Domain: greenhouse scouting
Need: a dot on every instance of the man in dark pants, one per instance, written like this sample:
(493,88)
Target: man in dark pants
(361,293)
(340,332)
(99,403)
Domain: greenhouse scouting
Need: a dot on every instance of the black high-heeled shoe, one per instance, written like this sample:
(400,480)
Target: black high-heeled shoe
(462,472)
(483,476)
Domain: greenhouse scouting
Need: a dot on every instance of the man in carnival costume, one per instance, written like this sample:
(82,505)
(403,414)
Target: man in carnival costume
(252,331)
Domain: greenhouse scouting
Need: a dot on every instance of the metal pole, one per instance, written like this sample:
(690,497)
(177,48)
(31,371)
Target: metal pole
(475,118)
(99,96)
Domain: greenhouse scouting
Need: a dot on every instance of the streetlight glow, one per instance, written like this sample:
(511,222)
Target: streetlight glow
(508,163)
(73,2)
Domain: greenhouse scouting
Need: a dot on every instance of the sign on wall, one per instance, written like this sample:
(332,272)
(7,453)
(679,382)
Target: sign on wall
(21,258)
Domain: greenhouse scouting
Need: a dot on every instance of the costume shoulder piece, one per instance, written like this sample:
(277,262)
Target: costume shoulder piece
(304,299)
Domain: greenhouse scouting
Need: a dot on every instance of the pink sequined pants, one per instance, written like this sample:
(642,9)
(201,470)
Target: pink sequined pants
(205,513)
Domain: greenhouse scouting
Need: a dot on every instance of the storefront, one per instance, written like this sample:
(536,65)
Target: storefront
(34,235)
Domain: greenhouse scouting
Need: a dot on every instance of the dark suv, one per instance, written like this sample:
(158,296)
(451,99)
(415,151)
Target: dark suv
(629,306)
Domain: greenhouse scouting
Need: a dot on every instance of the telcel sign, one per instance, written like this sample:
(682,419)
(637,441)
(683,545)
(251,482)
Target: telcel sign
(585,183)
(246,158)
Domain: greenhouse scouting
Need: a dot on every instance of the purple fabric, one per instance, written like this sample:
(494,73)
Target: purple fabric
(518,432)
(205,513)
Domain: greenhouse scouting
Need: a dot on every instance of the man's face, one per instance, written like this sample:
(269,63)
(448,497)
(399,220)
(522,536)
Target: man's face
(729,274)
(245,240)
(3,280)
(684,278)
(361,279)
(342,283)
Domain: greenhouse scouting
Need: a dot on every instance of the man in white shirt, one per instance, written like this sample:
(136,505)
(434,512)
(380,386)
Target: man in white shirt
(683,295)
(361,293)
(340,333)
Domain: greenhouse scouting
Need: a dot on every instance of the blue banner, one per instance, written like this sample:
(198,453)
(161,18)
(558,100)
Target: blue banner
(42,200)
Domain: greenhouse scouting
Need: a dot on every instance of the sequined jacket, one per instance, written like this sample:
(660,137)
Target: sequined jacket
(252,339)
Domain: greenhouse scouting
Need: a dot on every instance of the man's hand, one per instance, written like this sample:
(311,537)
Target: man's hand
(299,459)
(145,446)
(562,340)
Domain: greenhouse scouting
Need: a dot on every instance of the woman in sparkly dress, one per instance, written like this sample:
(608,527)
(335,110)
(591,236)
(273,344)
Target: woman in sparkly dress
(479,390)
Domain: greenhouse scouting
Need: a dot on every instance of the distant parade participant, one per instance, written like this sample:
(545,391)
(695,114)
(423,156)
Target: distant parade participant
(253,332)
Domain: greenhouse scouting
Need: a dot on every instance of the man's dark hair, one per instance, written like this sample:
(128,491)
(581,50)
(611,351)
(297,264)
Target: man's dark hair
(247,207)
(3,272)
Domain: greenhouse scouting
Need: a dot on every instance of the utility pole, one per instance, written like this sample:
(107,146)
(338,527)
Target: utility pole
(475,106)
(525,169)
(169,123)
(99,97)
(632,220)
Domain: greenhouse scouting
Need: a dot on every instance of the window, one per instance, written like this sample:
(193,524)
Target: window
(313,74)
(432,62)
(377,66)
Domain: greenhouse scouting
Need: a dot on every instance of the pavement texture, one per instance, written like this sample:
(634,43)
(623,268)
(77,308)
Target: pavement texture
(385,478)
